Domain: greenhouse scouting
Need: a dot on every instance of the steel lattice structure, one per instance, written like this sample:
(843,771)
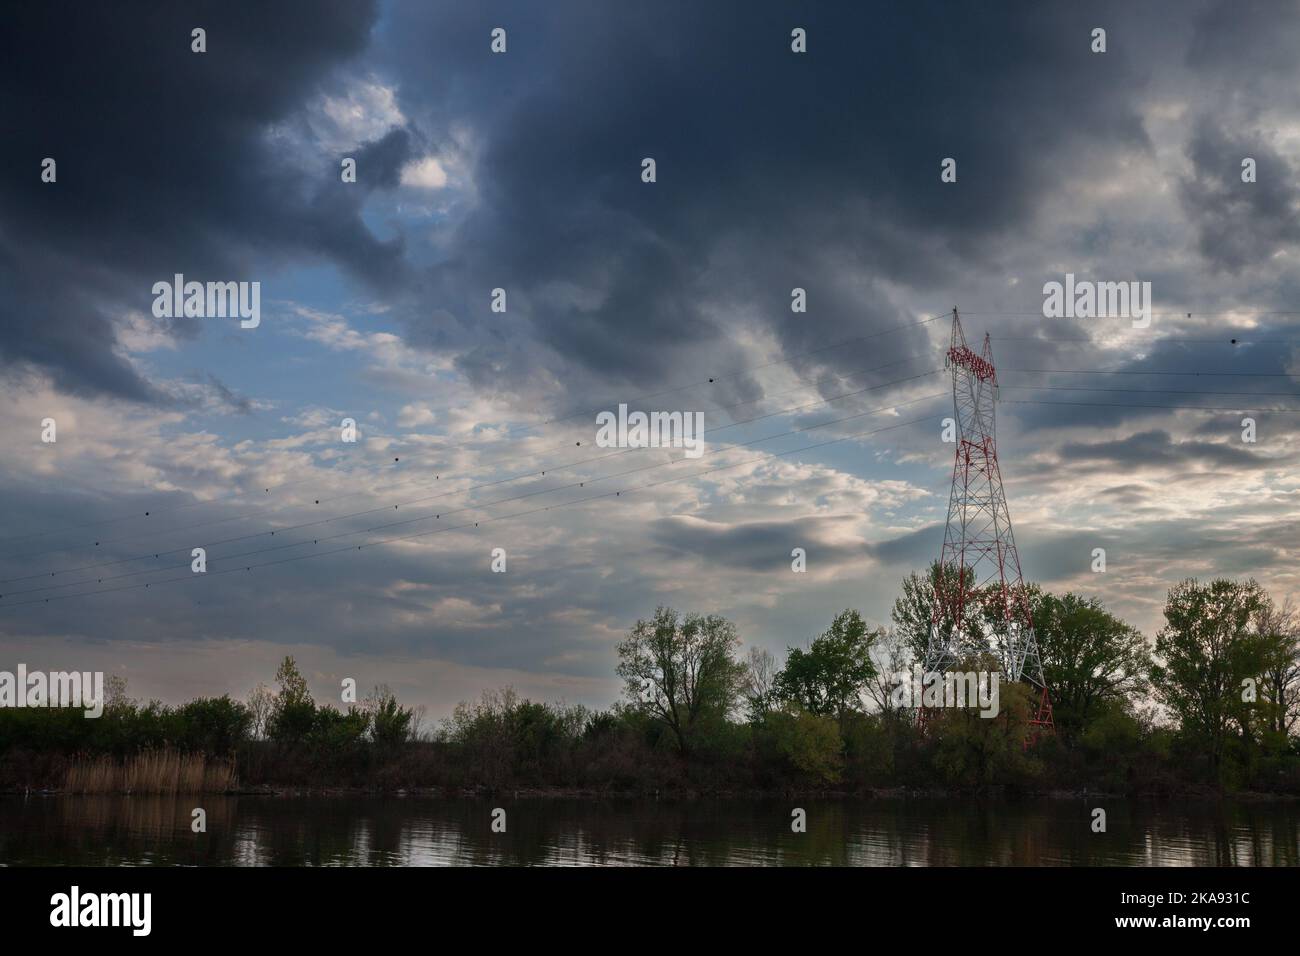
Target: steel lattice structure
(980,603)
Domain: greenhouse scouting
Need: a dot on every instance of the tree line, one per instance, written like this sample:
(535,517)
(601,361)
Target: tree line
(1211,703)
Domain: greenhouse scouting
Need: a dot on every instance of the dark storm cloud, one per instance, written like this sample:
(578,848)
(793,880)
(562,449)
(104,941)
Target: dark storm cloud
(765,545)
(774,170)
(915,549)
(1151,547)
(1055,556)
(1232,370)
(1159,448)
(383,159)
(1239,224)
(162,166)
(1127,495)
(1148,548)
(1227,28)
(755,546)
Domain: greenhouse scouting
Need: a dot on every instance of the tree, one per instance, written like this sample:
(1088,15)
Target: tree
(390,723)
(419,714)
(974,751)
(260,704)
(293,714)
(914,610)
(1209,649)
(682,672)
(293,686)
(482,732)
(1280,627)
(115,694)
(1090,657)
(810,745)
(760,672)
(214,726)
(829,679)
(894,657)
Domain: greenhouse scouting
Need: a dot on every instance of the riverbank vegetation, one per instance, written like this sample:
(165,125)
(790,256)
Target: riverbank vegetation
(1211,704)
(163,771)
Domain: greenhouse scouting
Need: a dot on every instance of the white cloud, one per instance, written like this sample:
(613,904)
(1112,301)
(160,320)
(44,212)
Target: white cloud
(426,173)
(415,414)
(137,332)
(363,113)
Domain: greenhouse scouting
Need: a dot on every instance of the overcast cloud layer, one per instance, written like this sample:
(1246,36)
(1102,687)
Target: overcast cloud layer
(522,171)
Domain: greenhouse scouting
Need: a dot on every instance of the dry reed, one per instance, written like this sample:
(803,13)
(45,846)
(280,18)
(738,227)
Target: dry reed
(154,771)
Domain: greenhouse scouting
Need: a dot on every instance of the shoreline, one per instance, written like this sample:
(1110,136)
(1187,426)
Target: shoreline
(561,793)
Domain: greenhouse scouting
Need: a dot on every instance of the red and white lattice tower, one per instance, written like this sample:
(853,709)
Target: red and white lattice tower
(980,602)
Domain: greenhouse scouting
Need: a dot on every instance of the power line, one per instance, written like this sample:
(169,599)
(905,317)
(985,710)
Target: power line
(1078,371)
(1155,315)
(1160,340)
(1154,391)
(1201,408)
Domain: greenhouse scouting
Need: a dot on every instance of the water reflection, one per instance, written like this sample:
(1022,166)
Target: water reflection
(339,831)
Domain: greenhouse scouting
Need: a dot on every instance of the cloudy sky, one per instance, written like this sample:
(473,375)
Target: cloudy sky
(522,171)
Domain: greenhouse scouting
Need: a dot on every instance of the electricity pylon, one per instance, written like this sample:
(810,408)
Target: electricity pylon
(980,601)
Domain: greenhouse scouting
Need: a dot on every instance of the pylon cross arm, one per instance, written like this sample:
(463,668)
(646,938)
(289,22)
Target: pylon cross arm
(978,366)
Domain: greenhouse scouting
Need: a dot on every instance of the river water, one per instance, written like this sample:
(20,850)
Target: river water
(416,831)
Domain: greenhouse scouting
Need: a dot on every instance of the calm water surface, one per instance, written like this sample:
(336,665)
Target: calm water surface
(409,831)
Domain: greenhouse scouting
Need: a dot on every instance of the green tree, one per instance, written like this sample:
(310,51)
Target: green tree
(1208,648)
(214,726)
(914,610)
(973,750)
(482,732)
(336,740)
(390,723)
(293,715)
(682,672)
(808,744)
(293,686)
(831,676)
(1090,657)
